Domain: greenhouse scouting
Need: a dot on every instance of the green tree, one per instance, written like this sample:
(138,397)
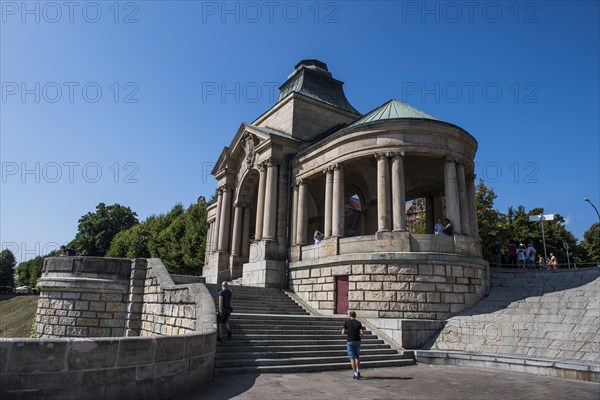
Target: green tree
(194,238)
(555,233)
(492,224)
(591,244)
(7,271)
(420,224)
(178,238)
(97,229)
(130,243)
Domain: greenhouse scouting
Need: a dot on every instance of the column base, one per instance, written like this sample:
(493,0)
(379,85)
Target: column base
(217,269)
(236,266)
(264,273)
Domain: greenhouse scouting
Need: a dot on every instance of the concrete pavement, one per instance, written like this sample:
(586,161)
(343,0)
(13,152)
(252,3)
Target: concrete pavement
(418,382)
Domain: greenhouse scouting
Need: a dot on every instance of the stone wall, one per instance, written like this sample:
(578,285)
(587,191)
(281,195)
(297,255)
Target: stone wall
(105,368)
(175,324)
(83,297)
(532,314)
(394,285)
(170,309)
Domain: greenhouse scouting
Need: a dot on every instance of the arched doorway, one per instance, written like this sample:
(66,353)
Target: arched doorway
(244,225)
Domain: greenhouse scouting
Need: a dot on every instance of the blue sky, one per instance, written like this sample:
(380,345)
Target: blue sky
(132,102)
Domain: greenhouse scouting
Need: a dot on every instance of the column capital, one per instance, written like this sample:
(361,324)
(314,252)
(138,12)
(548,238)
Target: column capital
(337,166)
(379,156)
(451,159)
(397,154)
(260,166)
(328,169)
(272,162)
(301,181)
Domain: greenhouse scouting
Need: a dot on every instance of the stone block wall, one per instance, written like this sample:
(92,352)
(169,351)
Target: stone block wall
(170,309)
(105,368)
(83,297)
(532,314)
(390,287)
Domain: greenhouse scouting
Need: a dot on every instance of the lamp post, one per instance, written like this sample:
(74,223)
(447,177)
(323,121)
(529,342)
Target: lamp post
(592,204)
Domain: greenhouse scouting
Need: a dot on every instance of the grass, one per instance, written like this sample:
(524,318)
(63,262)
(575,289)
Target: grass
(17,314)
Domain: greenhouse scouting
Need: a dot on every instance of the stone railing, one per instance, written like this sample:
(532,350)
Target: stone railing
(174,324)
(382,242)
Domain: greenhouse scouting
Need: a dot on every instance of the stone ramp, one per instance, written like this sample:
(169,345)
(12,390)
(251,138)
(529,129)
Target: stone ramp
(272,333)
(531,316)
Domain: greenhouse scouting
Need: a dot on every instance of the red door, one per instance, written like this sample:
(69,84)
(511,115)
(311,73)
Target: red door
(341,294)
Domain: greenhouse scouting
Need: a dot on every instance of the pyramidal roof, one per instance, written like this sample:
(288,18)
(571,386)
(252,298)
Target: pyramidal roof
(393,109)
(312,78)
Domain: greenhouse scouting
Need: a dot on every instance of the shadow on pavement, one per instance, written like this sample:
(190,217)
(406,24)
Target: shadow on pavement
(222,388)
(384,378)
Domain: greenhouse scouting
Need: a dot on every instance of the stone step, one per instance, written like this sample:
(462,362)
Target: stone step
(263,309)
(284,329)
(223,348)
(282,342)
(214,288)
(284,318)
(314,367)
(273,335)
(291,313)
(278,361)
(304,352)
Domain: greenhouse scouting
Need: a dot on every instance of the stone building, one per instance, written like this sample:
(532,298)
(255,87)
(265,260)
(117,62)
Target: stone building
(313,162)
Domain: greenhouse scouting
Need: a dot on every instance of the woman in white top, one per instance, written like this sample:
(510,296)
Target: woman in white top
(521,255)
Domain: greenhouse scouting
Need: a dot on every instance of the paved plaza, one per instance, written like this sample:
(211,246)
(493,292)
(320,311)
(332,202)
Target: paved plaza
(418,382)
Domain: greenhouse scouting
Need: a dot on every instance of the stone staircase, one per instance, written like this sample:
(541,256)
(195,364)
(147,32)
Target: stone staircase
(272,333)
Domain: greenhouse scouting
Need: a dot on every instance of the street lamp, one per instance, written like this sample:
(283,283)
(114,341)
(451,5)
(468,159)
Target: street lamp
(592,204)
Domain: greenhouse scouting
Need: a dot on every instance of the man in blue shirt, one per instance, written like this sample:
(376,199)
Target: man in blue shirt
(224,310)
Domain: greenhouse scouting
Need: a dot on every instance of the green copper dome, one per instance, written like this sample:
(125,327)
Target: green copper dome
(393,109)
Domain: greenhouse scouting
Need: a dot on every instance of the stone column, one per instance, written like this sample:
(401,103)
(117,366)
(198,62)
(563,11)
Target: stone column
(270,214)
(294,217)
(236,240)
(471,199)
(451,192)
(383,193)
(260,202)
(217,218)
(328,171)
(246,232)
(225,220)
(337,215)
(462,197)
(398,193)
(302,220)
(429,218)
(208,247)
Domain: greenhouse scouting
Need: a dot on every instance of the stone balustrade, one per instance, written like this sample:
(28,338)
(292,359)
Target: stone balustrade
(390,242)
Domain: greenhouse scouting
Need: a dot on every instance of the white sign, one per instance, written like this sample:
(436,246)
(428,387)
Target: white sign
(545,217)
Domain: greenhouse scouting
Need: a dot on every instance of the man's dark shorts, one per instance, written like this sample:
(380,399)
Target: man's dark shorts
(223,317)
